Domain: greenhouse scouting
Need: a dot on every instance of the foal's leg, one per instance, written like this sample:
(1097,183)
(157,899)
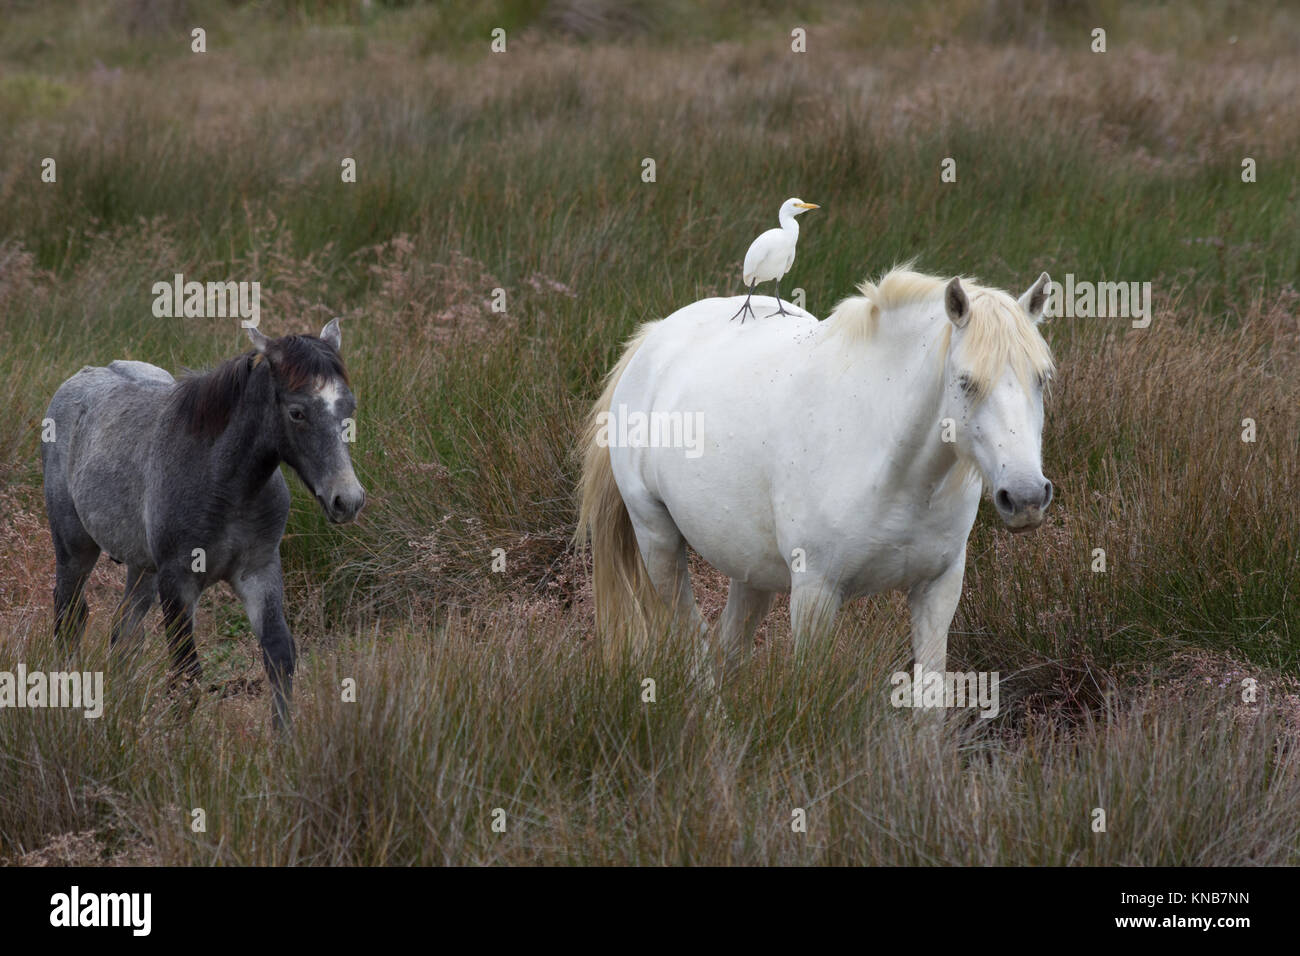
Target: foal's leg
(262,591)
(139,596)
(178,590)
(745,610)
(75,554)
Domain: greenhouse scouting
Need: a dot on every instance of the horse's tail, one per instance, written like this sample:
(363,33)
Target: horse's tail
(620,583)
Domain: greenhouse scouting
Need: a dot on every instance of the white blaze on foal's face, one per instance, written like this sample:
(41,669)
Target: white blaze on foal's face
(997,368)
(331,393)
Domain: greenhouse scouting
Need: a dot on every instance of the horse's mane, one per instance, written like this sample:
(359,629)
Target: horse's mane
(204,401)
(999,332)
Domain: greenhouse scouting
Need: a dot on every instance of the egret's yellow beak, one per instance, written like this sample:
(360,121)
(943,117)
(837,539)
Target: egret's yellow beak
(808,205)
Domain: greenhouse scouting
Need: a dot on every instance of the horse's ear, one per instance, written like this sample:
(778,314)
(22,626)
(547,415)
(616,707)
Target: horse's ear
(331,335)
(1034,301)
(260,341)
(955,301)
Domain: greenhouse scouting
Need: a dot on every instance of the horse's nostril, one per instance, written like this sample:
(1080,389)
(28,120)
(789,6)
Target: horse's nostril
(1003,500)
(337,505)
(1047,493)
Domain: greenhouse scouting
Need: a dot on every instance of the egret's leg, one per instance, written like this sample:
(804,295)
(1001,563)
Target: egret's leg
(780,309)
(746,307)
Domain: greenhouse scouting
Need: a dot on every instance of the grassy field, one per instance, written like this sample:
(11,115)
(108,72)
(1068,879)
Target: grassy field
(523,171)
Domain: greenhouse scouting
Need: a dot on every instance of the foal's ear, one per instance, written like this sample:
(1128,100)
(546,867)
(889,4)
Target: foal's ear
(260,341)
(1034,301)
(955,301)
(331,335)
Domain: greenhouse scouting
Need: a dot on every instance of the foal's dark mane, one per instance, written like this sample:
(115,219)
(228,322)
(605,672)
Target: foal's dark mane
(204,401)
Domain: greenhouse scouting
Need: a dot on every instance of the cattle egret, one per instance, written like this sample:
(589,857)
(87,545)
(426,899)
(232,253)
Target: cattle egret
(772,254)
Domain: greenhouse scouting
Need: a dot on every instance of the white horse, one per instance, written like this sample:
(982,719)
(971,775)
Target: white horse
(831,459)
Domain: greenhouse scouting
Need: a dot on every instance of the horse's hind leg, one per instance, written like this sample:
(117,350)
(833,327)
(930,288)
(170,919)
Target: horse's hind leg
(663,551)
(139,596)
(262,591)
(75,554)
(745,610)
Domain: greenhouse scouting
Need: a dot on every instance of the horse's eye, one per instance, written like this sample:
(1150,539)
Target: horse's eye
(965,384)
(297,414)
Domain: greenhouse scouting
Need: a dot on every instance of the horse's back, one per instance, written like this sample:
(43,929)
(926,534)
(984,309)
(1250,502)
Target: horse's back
(119,396)
(736,387)
(99,383)
(103,420)
(141,372)
(702,337)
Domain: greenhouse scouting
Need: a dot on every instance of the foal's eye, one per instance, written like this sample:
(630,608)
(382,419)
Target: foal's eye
(296,414)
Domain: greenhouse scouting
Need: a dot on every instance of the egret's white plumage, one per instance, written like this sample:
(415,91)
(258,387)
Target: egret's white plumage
(771,255)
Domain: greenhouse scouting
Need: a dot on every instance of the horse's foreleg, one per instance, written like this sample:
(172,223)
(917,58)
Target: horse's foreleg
(745,610)
(178,591)
(933,604)
(262,591)
(813,606)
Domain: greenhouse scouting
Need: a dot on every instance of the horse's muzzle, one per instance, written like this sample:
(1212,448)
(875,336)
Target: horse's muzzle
(1028,521)
(1023,506)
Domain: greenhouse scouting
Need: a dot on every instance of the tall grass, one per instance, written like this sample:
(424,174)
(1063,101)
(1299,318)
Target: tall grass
(451,732)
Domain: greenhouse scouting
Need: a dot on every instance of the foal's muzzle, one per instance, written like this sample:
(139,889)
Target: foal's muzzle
(1022,504)
(343,505)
